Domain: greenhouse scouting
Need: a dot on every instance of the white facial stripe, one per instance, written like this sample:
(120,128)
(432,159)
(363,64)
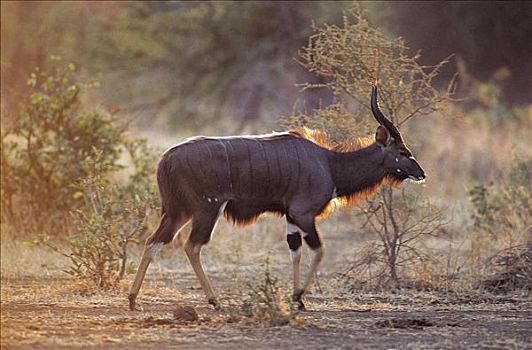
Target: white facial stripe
(421,178)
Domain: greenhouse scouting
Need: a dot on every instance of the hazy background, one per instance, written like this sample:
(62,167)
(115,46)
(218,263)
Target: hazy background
(189,67)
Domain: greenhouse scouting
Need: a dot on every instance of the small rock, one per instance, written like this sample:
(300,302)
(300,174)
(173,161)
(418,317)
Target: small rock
(185,313)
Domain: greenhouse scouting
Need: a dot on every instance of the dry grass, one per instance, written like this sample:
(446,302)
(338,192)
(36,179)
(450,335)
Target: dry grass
(471,146)
(20,260)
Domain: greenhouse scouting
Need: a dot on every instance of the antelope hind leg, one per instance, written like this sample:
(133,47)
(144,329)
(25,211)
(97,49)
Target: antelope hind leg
(147,257)
(164,234)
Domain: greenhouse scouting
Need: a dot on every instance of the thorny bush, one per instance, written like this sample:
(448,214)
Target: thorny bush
(111,218)
(266,302)
(349,59)
(398,255)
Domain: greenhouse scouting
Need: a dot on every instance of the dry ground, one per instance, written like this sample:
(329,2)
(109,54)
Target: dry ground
(44,308)
(55,313)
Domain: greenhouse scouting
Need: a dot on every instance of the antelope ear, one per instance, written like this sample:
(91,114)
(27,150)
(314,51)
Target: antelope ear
(382,136)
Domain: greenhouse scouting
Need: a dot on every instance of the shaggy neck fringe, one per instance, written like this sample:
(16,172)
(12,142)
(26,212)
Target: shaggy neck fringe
(352,200)
(320,138)
(348,201)
(355,198)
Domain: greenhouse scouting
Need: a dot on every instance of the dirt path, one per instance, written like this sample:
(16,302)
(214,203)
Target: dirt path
(56,313)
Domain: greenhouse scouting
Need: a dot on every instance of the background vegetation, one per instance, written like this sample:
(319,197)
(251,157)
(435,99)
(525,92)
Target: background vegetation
(78,158)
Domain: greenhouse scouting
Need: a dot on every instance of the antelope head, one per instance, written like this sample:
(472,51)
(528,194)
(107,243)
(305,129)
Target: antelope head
(398,159)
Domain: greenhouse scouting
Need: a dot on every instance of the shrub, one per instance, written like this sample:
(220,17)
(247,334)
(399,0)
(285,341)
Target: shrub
(58,165)
(335,120)
(503,212)
(111,218)
(398,255)
(265,303)
(512,270)
(349,59)
(47,147)
(402,222)
(504,208)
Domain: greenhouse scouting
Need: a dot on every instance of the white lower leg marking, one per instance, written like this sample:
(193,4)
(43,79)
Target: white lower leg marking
(154,249)
(293,255)
(296,261)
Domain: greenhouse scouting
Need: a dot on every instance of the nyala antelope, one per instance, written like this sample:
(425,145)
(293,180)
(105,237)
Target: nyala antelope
(290,174)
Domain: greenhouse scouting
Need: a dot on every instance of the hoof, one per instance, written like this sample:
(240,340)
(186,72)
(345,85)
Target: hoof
(297,295)
(133,306)
(214,302)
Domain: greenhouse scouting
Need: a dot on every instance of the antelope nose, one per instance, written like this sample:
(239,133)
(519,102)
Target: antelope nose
(422,177)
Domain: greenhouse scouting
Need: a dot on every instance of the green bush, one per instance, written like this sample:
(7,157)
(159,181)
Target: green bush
(111,218)
(504,208)
(503,212)
(59,161)
(49,145)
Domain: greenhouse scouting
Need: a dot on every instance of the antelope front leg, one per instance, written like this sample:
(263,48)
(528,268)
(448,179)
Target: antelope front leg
(318,255)
(293,238)
(296,263)
(313,240)
(193,252)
